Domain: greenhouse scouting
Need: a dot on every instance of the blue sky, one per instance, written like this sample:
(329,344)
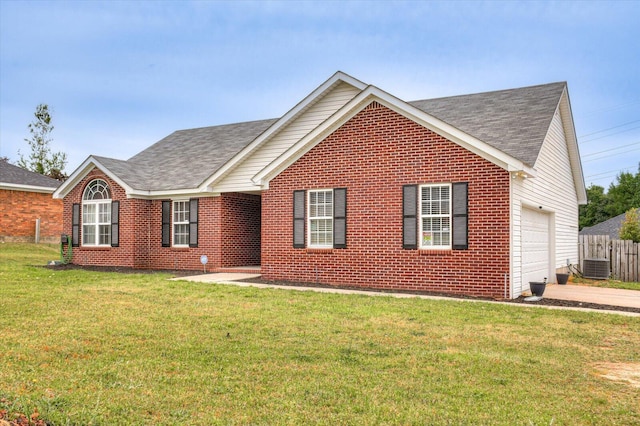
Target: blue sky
(119,76)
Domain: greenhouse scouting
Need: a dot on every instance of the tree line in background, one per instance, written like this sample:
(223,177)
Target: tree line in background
(622,196)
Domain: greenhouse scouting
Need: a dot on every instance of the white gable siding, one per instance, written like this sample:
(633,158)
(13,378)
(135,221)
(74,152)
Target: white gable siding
(554,190)
(239,179)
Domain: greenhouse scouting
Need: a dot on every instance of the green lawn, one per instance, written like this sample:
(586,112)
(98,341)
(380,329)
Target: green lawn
(105,348)
(610,283)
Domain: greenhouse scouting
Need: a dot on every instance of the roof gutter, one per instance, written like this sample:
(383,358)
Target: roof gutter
(26,188)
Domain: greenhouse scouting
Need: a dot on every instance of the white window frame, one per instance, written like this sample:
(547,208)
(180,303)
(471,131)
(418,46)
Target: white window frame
(319,218)
(100,216)
(439,216)
(183,223)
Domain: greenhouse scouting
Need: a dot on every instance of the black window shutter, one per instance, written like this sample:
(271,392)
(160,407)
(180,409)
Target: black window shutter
(115,224)
(166,223)
(193,222)
(298,219)
(460,216)
(75,225)
(340,218)
(410,217)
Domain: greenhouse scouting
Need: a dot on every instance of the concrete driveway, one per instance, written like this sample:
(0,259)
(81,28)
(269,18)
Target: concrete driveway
(600,295)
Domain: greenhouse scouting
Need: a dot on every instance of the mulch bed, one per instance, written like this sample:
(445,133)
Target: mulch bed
(122,270)
(182,273)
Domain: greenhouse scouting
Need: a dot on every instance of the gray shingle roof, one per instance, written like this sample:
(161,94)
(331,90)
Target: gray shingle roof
(610,227)
(135,177)
(514,121)
(18,176)
(185,158)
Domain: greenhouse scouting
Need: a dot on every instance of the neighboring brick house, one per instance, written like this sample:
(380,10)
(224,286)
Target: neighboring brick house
(474,194)
(25,203)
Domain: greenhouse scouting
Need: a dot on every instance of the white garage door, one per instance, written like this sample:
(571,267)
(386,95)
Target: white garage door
(535,247)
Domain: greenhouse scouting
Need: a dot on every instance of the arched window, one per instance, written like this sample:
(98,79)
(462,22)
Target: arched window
(97,190)
(96,214)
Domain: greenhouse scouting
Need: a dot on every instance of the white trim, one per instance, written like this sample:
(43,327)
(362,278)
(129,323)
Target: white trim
(164,194)
(370,94)
(26,188)
(96,225)
(512,250)
(572,145)
(293,113)
(174,223)
(309,218)
(421,217)
(81,172)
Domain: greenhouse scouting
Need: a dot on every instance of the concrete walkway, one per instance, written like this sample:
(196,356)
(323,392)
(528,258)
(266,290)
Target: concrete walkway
(603,296)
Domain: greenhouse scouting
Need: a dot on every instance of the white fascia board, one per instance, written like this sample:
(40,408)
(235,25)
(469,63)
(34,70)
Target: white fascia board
(171,194)
(572,146)
(368,95)
(81,172)
(26,188)
(283,121)
(456,135)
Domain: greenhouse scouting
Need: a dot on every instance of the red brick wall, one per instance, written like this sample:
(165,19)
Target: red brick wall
(187,258)
(141,232)
(19,211)
(240,230)
(124,255)
(373,155)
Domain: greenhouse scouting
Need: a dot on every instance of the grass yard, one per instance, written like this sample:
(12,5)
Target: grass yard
(83,347)
(609,283)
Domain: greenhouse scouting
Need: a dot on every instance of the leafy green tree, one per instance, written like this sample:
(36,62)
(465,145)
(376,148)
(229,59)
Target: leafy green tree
(596,210)
(41,159)
(630,228)
(625,194)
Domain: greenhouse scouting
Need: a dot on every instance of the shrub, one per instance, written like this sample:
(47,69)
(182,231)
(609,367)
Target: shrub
(630,228)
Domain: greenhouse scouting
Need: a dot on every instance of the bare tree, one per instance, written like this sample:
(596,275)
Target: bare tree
(41,159)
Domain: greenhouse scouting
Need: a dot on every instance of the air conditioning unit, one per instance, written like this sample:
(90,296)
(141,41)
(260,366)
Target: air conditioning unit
(597,269)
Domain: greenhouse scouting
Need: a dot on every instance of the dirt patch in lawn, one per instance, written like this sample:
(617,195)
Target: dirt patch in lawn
(628,372)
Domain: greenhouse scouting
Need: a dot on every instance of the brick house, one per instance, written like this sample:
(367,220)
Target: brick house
(474,194)
(27,210)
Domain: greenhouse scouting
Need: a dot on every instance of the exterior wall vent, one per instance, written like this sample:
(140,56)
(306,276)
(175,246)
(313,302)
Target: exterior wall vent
(596,269)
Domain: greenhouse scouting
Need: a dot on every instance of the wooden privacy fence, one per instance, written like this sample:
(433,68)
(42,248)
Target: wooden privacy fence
(623,255)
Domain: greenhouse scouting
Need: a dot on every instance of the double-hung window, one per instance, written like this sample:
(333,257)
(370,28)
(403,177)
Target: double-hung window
(181,223)
(435,216)
(96,214)
(321,218)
